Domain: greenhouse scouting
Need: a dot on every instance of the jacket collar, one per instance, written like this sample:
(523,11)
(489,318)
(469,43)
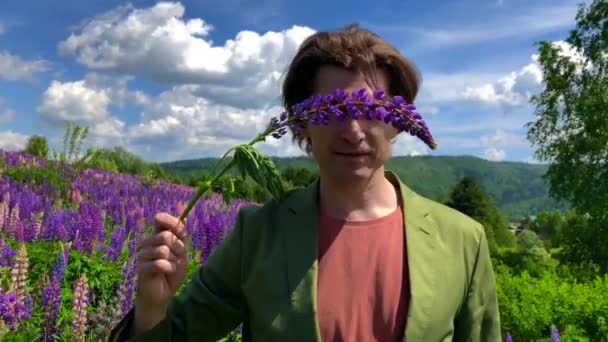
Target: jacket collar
(301,234)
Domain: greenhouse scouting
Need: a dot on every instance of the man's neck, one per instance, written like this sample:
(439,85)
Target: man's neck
(361,201)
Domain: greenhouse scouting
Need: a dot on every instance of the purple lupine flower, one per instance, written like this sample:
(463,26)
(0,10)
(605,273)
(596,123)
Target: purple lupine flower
(81,301)
(78,242)
(98,228)
(35,226)
(554,334)
(51,296)
(7,254)
(509,338)
(12,310)
(129,283)
(54,226)
(116,244)
(318,109)
(86,226)
(133,243)
(19,231)
(12,220)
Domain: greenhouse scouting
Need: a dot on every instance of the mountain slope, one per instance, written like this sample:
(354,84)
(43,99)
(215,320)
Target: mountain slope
(517,188)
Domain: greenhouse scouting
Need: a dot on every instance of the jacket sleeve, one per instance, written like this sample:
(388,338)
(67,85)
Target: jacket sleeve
(479,319)
(211,304)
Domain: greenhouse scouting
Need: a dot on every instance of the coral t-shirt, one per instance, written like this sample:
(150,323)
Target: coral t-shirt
(363,285)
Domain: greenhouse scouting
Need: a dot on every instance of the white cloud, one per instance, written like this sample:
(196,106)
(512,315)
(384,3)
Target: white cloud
(497,144)
(14,68)
(7,116)
(87,103)
(182,124)
(493,144)
(12,141)
(495,154)
(74,101)
(159,44)
(441,88)
(408,145)
(516,88)
(502,138)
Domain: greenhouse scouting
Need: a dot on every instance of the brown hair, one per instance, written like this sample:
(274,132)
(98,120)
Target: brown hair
(353,48)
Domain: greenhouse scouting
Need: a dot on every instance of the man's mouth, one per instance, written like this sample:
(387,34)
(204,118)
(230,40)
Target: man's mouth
(352,154)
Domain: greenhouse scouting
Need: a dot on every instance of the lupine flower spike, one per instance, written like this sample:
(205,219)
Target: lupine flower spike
(81,301)
(315,110)
(19,274)
(554,334)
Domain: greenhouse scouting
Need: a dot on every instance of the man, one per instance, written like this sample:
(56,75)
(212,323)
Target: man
(356,256)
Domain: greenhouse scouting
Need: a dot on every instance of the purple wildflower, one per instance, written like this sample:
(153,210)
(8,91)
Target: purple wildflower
(554,334)
(116,244)
(319,109)
(129,282)
(12,220)
(509,338)
(12,310)
(51,296)
(7,254)
(35,226)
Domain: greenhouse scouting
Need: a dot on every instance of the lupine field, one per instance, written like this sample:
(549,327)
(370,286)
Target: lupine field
(68,247)
(68,255)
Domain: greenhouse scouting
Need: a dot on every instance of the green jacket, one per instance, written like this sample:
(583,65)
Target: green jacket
(264,274)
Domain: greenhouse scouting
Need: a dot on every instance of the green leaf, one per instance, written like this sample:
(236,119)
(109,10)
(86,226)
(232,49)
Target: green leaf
(260,167)
(247,164)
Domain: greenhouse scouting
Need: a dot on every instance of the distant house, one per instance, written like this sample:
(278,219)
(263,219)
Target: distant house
(518,227)
(515,227)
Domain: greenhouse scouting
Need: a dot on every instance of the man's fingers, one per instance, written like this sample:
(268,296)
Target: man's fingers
(157,252)
(164,221)
(156,266)
(166,238)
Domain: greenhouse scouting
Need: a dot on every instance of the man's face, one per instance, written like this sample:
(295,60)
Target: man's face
(349,150)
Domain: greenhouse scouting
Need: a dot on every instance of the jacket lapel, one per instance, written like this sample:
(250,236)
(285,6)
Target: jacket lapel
(301,235)
(421,242)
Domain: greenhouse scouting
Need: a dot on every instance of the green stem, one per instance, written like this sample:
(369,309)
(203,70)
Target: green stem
(208,185)
(203,188)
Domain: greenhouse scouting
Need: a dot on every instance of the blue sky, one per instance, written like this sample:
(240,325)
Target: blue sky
(177,80)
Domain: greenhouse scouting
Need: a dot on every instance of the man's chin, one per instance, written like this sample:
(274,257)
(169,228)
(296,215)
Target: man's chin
(352,174)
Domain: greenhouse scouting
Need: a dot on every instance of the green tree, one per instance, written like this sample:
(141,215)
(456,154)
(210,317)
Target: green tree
(571,126)
(38,146)
(469,198)
(532,257)
(126,161)
(529,244)
(547,225)
(298,176)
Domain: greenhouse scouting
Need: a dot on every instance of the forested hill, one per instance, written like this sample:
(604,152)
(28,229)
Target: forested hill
(517,188)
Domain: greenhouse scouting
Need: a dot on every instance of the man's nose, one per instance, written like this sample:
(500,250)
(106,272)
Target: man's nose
(352,130)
